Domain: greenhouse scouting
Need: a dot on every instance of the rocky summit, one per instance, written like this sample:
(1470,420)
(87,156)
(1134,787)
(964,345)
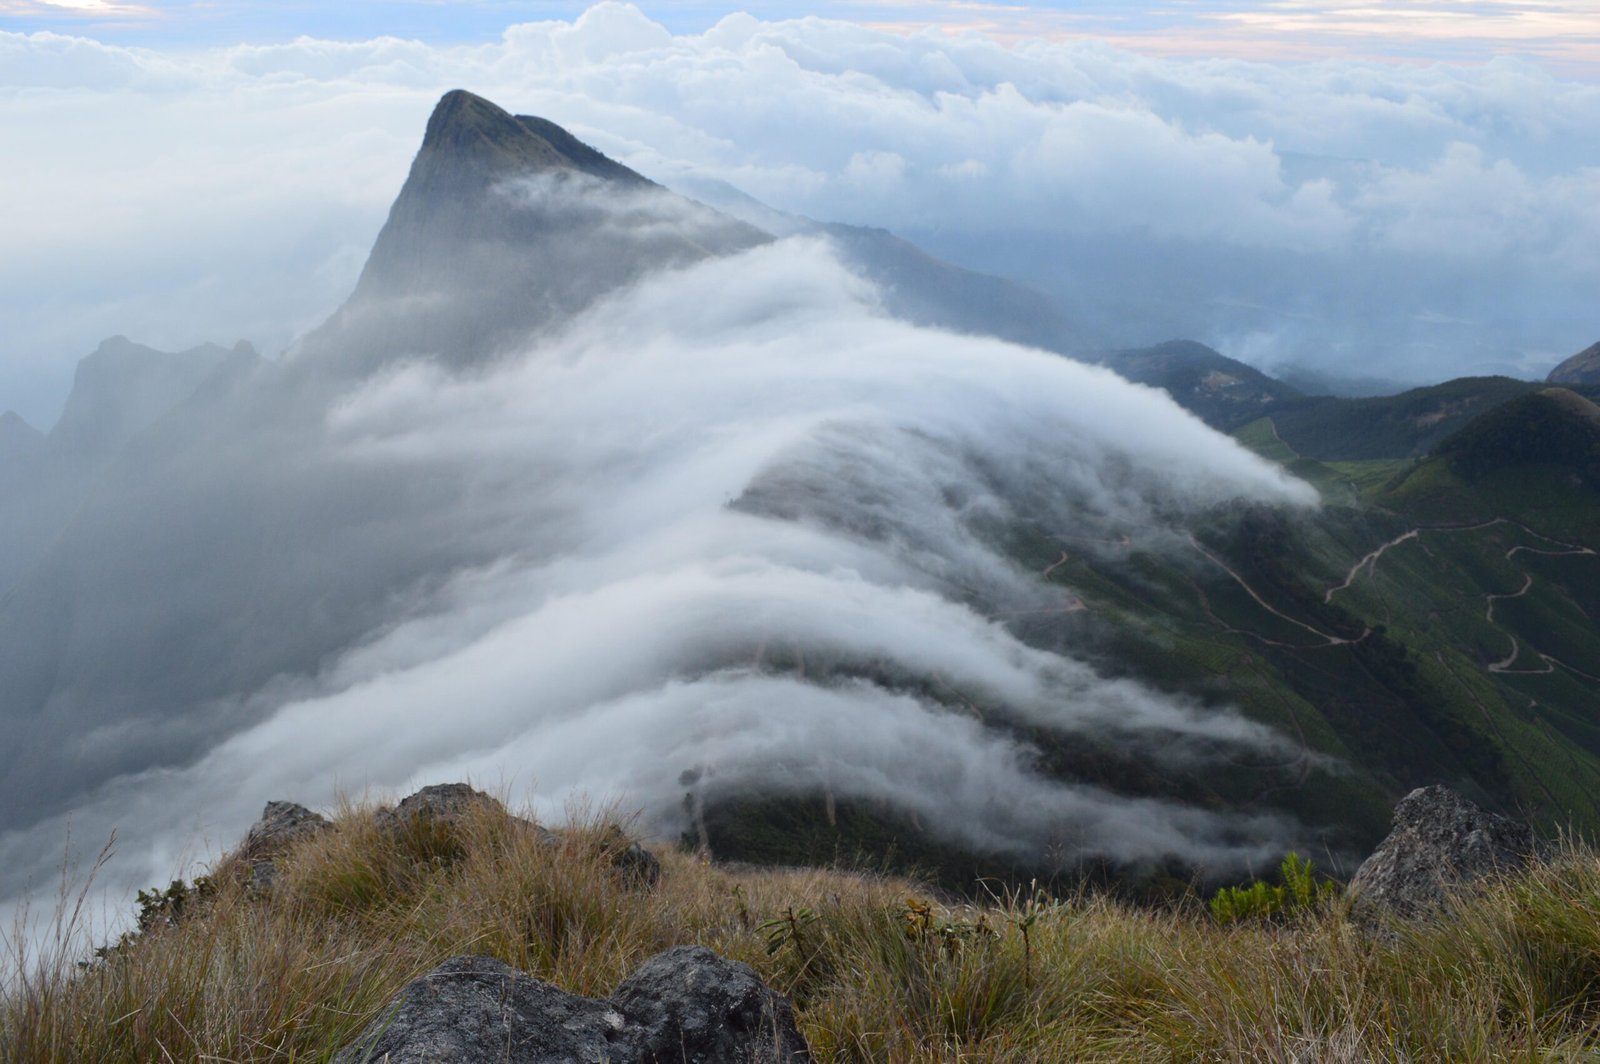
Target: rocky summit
(506,224)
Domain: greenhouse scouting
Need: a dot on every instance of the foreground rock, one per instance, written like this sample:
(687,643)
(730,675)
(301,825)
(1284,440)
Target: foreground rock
(691,1005)
(684,1006)
(1440,843)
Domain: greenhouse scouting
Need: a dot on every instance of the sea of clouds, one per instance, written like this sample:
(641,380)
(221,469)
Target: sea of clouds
(732,523)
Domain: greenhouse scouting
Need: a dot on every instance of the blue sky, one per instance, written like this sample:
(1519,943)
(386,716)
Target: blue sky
(1561,34)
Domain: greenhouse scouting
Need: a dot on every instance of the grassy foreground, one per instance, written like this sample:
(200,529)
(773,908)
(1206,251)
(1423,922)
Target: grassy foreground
(878,969)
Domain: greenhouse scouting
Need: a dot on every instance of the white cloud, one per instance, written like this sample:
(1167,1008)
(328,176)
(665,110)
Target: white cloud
(732,519)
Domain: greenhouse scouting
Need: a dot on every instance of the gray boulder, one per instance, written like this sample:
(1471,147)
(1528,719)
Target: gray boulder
(684,1006)
(1440,843)
(691,1006)
(441,803)
(472,1009)
(281,825)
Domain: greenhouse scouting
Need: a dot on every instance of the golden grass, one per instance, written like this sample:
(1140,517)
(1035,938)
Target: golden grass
(877,969)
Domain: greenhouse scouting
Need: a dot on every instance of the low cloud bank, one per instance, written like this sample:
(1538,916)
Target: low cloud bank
(732,522)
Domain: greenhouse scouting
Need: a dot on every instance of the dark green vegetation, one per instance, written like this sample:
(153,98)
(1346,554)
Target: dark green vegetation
(1229,395)
(1434,621)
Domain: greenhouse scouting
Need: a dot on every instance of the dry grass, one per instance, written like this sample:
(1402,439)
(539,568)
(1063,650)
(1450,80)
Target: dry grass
(878,971)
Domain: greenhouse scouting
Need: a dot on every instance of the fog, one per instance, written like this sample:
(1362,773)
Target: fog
(731,523)
(1416,222)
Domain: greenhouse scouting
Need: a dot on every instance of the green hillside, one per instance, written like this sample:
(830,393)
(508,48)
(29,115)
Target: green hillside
(1434,621)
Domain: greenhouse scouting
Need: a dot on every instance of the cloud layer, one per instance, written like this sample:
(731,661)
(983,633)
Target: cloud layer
(732,521)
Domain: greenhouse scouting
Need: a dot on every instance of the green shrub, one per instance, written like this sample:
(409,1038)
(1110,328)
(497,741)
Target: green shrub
(1299,892)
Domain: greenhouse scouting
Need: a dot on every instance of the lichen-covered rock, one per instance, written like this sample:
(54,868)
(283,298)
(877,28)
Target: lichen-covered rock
(694,1007)
(281,825)
(1440,843)
(684,1006)
(472,1009)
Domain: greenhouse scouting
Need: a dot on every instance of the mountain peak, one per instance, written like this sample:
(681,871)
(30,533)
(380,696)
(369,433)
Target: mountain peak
(123,387)
(460,113)
(15,431)
(506,223)
(468,134)
(1581,368)
(1552,427)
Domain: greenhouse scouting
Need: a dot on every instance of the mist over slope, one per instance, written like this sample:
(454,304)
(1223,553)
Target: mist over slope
(714,515)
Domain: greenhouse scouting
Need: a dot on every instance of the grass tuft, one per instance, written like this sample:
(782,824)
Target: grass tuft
(878,970)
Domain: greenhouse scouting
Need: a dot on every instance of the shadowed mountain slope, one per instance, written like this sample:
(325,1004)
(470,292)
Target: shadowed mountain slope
(1223,392)
(1228,394)
(120,391)
(1554,427)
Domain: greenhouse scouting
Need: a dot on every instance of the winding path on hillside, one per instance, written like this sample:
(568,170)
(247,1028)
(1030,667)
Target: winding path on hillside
(1369,562)
(1330,639)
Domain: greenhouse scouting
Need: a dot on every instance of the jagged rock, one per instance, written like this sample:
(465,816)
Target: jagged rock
(684,1006)
(1440,843)
(696,1007)
(281,825)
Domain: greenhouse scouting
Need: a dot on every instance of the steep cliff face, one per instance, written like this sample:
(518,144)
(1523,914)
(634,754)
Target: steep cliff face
(508,223)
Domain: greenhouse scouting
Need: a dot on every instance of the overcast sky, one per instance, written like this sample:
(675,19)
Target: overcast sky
(1403,188)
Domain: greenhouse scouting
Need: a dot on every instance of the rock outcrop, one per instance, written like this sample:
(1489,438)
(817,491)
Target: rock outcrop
(437,810)
(440,803)
(1440,843)
(281,825)
(684,1006)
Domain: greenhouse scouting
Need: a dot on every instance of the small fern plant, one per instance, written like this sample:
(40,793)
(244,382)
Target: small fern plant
(1299,892)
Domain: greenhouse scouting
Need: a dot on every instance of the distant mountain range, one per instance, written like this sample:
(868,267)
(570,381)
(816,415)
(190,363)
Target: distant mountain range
(1228,395)
(1434,620)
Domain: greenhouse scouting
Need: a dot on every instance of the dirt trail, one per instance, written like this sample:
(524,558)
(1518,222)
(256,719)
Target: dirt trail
(1370,562)
(1331,640)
